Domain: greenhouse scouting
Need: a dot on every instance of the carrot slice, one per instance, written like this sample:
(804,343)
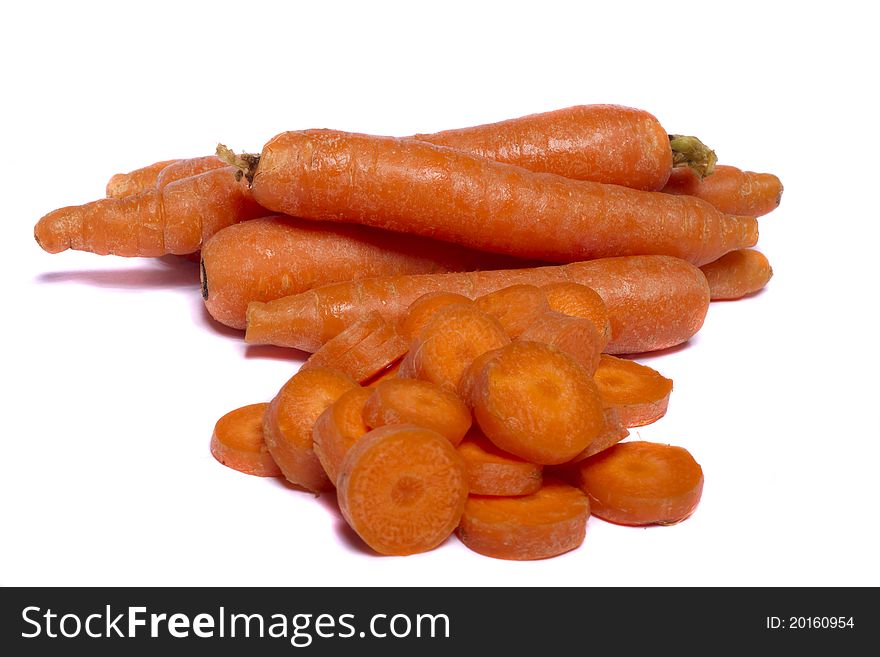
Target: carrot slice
(238,442)
(579,301)
(402,488)
(642,483)
(640,393)
(545,524)
(492,471)
(612,433)
(362,350)
(737,274)
(448,344)
(338,428)
(291,417)
(468,384)
(410,401)
(424,308)
(575,336)
(515,307)
(534,401)
(389,372)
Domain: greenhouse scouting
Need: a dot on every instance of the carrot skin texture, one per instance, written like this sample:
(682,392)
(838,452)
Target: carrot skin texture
(737,274)
(729,189)
(289,423)
(603,143)
(653,302)
(415,187)
(272,257)
(121,185)
(548,523)
(176,219)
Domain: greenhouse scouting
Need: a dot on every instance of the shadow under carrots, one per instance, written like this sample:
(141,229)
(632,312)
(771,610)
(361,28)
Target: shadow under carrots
(166,272)
(271,352)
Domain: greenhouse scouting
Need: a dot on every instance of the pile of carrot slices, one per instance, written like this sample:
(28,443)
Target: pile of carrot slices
(471,300)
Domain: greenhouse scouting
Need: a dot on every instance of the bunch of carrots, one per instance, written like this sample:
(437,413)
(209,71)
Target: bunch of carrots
(465,296)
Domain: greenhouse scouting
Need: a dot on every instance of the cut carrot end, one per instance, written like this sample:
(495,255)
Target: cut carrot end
(548,523)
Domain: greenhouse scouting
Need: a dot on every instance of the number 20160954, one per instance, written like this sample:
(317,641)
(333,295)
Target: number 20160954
(810,623)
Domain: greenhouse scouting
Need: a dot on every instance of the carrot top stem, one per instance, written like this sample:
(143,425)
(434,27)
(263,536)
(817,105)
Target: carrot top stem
(689,152)
(246,162)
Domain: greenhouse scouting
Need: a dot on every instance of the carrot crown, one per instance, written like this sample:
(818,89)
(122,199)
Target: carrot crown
(246,162)
(688,152)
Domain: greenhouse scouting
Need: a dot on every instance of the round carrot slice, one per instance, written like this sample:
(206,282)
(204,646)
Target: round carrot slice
(492,471)
(579,301)
(238,442)
(612,433)
(639,393)
(534,401)
(410,401)
(338,428)
(448,344)
(332,350)
(402,488)
(515,307)
(424,308)
(374,353)
(467,385)
(642,483)
(575,336)
(291,417)
(545,524)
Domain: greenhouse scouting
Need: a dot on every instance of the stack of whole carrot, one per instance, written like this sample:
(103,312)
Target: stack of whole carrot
(480,276)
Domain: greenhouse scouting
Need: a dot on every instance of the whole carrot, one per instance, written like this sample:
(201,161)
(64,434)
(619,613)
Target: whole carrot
(729,189)
(273,257)
(414,187)
(653,302)
(175,219)
(603,143)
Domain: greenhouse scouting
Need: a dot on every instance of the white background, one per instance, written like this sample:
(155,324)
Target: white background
(113,375)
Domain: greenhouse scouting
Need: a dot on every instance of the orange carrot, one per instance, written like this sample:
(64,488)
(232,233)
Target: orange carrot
(137,181)
(415,187)
(290,421)
(424,308)
(362,350)
(339,427)
(402,488)
(729,189)
(389,372)
(653,302)
(538,526)
(603,143)
(535,402)
(579,301)
(639,393)
(737,274)
(613,431)
(269,258)
(492,471)
(641,483)
(408,401)
(238,442)
(515,307)
(448,344)
(574,336)
(173,220)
